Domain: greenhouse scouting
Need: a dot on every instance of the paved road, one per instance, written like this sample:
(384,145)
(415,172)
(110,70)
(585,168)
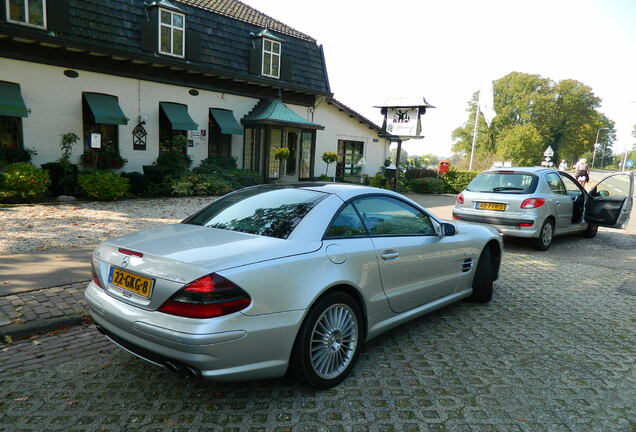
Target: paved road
(554,351)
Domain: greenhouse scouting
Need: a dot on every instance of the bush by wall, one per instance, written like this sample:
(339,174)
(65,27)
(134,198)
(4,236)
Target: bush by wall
(103,185)
(427,186)
(102,159)
(378,180)
(413,173)
(200,184)
(62,182)
(23,181)
(138,183)
(458,180)
(13,155)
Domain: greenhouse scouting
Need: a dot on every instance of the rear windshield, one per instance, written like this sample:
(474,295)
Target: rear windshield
(504,182)
(271,211)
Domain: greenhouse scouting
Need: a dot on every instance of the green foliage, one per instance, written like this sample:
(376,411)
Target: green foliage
(103,185)
(63,177)
(414,173)
(23,181)
(281,153)
(138,184)
(174,162)
(14,155)
(329,158)
(378,180)
(102,159)
(457,181)
(200,184)
(522,144)
(564,115)
(324,178)
(427,186)
(213,163)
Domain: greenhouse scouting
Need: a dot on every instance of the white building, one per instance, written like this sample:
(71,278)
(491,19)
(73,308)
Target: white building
(129,76)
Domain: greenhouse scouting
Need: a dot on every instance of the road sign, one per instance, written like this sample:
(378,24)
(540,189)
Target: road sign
(629,164)
(548,152)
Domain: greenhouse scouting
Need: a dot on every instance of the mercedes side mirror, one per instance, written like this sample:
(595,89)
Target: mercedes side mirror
(448,230)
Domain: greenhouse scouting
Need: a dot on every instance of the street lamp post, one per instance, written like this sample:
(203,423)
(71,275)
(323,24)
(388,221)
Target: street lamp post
(596,145)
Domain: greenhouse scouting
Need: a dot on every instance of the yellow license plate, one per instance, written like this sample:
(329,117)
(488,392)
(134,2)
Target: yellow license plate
(491,206)
(130,282)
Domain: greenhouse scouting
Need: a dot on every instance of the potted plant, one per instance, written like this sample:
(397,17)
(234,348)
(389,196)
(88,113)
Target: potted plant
(329,158)
(281,154)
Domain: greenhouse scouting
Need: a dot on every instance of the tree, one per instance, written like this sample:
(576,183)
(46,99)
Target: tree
(563,114)
(522,144)
(403,156)
(329,158)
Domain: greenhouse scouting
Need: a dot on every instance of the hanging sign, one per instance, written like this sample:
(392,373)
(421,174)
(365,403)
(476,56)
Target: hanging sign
(403,122)
(96,140)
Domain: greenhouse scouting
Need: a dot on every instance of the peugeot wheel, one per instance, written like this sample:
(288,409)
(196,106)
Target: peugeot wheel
(545,236)
(329,341)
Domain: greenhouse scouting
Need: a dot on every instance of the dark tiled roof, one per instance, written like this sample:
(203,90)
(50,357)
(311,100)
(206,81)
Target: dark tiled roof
(224,26)
(242,12)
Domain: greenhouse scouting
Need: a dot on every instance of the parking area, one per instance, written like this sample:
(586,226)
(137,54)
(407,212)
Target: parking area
(554,351)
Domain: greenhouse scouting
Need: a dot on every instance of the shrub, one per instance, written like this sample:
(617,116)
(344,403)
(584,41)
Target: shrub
(413,173)
(14,155)
(329,158)
(199,184)
(137,183)
(215,163)
(458,180)
(63,180)
(103,185)
(174,162)
(323,177)
(102,159)
(24,181)
(427,186)
(378,180)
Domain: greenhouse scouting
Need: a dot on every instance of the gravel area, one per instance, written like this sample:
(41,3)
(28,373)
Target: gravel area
(25,228)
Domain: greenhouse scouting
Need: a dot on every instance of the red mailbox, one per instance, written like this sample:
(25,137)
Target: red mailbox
(444,166)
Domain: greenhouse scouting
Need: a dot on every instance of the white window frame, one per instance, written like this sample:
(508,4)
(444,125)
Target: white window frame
(26,15)
(172,29)
(272,54)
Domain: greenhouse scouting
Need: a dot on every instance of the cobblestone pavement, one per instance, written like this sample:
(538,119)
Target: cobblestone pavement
(554,351)
(36,307)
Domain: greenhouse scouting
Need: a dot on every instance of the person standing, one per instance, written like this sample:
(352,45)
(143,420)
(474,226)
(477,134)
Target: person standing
(582,171)
(563,166)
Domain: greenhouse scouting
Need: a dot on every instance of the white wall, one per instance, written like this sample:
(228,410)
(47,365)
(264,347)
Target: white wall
(55,102)
(339,126)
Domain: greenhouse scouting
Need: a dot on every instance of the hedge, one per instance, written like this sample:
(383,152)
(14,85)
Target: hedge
(457,181)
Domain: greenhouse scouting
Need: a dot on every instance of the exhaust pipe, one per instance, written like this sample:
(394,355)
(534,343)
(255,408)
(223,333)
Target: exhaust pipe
(172,367)
(195,373)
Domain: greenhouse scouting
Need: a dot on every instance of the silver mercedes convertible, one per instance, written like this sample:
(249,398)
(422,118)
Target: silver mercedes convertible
(285,277)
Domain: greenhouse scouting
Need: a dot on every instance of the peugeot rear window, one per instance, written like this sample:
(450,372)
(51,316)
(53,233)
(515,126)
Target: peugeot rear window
(269,211)
(508,182)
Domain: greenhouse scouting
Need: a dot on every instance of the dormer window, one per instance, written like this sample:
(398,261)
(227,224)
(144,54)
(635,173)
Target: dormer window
(27,12)
(271,58)
(171,33)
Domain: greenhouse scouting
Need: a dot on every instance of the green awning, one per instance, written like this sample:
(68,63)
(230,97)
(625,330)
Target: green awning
(178,116)
(11,102)
(226,121)
(275,112)
(105,108)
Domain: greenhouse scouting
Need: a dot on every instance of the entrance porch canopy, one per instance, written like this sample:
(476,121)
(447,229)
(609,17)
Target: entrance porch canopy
(275,112)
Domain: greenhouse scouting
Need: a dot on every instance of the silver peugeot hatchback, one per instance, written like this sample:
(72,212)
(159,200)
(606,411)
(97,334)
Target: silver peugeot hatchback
(539,203)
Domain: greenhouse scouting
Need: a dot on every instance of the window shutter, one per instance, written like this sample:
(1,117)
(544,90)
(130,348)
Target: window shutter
(256,58)
(286,68)
(57,15)
(193,45)
(149,36)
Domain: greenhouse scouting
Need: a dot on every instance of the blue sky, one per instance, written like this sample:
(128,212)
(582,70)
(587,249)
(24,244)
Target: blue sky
(443,50)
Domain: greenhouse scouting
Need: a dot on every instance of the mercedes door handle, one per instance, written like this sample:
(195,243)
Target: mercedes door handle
(558,203)
(390,255)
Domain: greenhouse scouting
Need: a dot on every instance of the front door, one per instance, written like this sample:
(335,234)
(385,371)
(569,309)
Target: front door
(416,265)
(610,202)
(292,141)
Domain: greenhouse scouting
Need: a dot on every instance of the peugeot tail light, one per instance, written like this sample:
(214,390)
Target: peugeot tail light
(210,296)
(531,203)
